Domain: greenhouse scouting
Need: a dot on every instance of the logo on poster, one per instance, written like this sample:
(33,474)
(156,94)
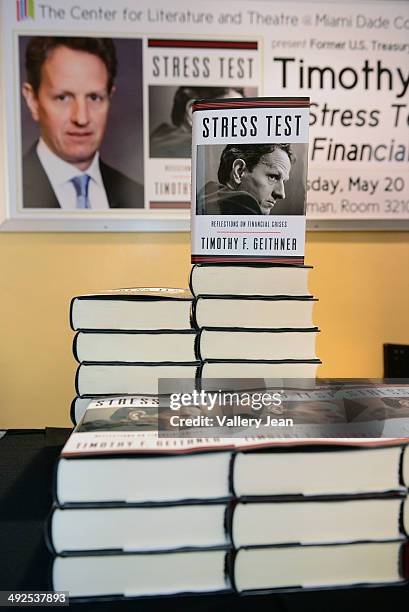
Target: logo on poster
(25,9)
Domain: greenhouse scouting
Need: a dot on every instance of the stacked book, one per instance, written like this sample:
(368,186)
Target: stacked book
(139,515)
(127,339)
(254,321)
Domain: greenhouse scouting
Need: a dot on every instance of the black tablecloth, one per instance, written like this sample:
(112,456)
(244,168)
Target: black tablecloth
(27,459)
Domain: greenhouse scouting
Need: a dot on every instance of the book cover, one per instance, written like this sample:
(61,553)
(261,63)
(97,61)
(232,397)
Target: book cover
(249,170)
(180,71)
(139,424)
(136,293)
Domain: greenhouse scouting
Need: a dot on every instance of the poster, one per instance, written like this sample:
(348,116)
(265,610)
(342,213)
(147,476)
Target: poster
(351,60)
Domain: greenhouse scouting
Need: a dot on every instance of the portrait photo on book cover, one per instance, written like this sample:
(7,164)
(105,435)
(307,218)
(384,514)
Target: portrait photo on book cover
(170,115)
(251,179)
(81,123)
(132,418)
(126,418)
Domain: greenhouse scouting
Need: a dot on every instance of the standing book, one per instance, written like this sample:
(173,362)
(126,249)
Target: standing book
(249,169)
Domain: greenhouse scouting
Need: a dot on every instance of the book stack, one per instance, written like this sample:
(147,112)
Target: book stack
(243,324)
(139,515)
(129,338)
(254,322)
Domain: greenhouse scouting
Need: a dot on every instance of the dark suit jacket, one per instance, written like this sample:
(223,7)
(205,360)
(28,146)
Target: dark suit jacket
(170,141)
(216,199)
(121,191)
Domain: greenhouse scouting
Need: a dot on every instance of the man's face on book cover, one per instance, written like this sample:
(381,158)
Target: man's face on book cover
(265,182)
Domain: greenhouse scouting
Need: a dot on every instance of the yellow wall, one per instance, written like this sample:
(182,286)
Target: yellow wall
(360,278)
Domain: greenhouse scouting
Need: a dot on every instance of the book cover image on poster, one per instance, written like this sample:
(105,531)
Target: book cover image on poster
(180,71)
(249,160)
(170,116)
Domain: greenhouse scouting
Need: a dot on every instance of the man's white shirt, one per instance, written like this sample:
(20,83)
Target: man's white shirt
(60,174)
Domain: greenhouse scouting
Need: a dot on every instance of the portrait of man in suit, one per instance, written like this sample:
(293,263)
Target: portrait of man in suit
(70,82)
(252,179)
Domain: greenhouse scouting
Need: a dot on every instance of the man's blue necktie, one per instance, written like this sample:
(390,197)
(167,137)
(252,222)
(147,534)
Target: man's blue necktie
(81,189)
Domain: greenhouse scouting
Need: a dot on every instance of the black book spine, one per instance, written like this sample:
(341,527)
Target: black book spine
(402,480)
(404,560)
(231,473)
(72,412)
(194,309)
(403,528)
(76,382)
(228,520)
(197,345)
(54,493)
(198,377)
(75,347)
(232,565)
(71,312)
(191,280)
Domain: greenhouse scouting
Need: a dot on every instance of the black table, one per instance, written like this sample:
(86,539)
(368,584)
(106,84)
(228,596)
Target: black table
(27,460)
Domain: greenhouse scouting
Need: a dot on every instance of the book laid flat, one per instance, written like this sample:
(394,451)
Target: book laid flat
(138,529)
(82,477)
(141,308)
(116,455)
(99,379)
(135,346)
(257,344)
(319,521)
(110,478)
(214,525)
(252,280)
(242,371)
(266,569)
(350,472)
(254,570)
(209,343)
(135,575)
(247,311)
